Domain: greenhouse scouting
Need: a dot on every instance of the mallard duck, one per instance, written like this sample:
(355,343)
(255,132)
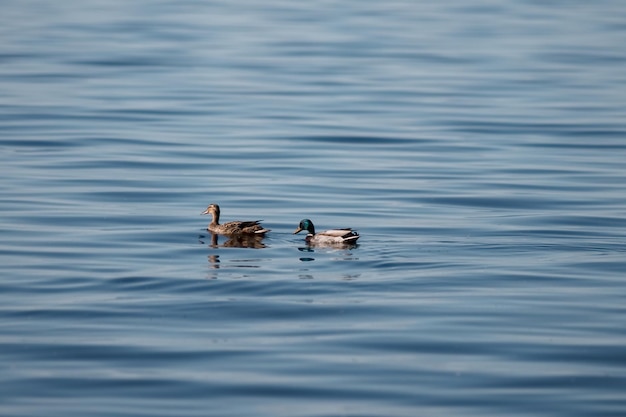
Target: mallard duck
(345,236)
(232,228)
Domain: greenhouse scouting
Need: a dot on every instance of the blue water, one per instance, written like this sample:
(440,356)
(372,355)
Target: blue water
(479,149)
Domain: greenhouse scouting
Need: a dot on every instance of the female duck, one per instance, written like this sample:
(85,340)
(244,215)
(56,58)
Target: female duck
(232,228)
(333,236)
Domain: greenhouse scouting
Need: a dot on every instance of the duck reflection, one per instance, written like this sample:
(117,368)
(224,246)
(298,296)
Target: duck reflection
(214,261)
(342,248)
(236,241)
(310,247)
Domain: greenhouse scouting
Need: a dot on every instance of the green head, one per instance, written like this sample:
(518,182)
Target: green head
(307,225)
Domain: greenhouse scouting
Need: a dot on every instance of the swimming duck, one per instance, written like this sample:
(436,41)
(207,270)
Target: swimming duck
(232,228)
(345,236)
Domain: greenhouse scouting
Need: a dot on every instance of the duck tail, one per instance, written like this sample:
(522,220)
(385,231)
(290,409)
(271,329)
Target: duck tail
(351,239)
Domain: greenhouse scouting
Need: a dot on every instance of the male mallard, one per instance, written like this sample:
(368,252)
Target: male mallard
(333,236)
(232,228)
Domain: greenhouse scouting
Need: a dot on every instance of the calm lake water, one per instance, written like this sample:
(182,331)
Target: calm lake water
(479,149)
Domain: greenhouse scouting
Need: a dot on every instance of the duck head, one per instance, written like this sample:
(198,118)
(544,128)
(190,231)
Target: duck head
(305,224)
(213,209)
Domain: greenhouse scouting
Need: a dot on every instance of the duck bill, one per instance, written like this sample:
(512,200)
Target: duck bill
(298,230)
(205,211)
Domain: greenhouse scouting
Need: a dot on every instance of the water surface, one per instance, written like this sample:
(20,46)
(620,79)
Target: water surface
(478,149)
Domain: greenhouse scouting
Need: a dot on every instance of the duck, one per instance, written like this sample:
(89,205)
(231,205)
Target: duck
(232,228)
(345,236)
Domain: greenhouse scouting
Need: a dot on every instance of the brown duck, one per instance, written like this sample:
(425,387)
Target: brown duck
(232,228)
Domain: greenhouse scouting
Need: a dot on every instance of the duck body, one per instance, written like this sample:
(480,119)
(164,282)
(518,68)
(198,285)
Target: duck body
(345,236)
(232,228)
